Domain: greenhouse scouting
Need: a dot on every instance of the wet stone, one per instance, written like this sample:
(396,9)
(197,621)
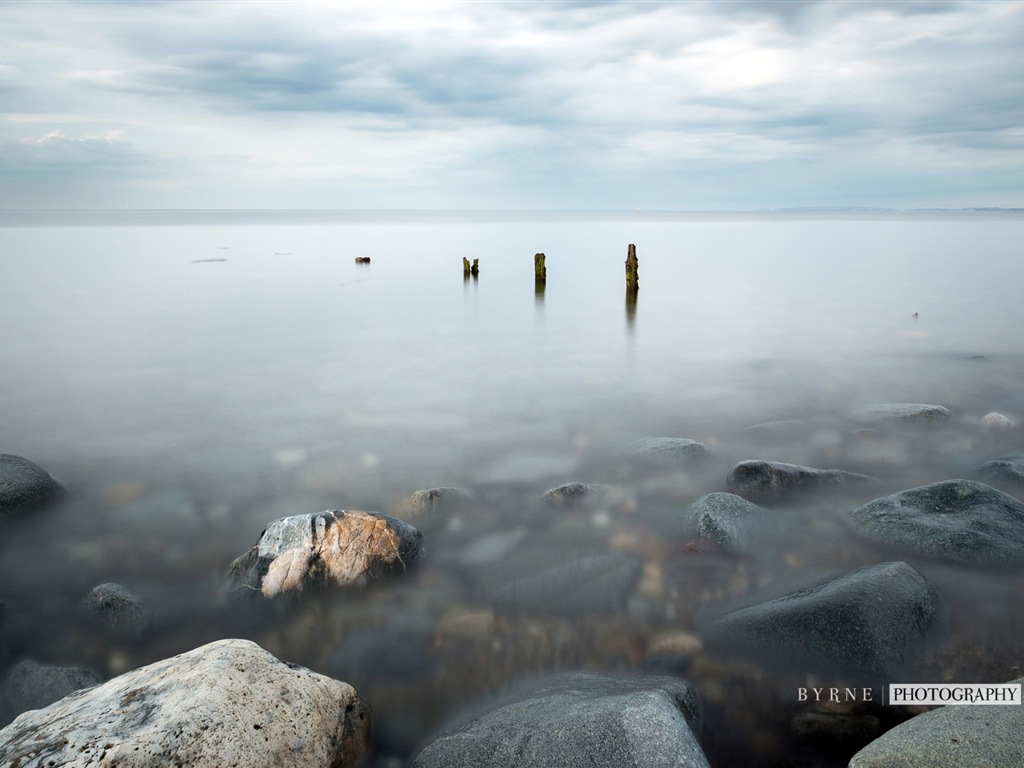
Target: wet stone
(902,413)
(668,451)
(577,720)
(31,685)
(119,610)
(226,703)
(770,481)
(997,422)
(721,518)
(866,622)
(959,521)
(432,500)
(1004,469)
(336,548)
(25,487)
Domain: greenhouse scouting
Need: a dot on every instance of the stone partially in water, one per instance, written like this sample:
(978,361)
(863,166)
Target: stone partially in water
(951,736)
(960,521)
(577,720)
(670,451)
(997,422)
(25,487)
(765,481)
(430,500)
(867,621)
(31,685)
(226,703)
(723,518)
(1004,469)
(335,548)
(118,609)
(903,413)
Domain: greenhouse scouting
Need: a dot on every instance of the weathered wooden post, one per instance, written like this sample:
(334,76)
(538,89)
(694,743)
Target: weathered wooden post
(465,268)
(475,269)
(632,267)
(540,272)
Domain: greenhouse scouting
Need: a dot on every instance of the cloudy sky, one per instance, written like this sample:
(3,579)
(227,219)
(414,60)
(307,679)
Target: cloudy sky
(511,104)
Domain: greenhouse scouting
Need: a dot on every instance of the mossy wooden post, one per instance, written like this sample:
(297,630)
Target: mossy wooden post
(475,269)
(540,272)
(632,267)
(465,268)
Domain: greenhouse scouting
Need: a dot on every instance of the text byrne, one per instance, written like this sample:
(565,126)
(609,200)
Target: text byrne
(833,694)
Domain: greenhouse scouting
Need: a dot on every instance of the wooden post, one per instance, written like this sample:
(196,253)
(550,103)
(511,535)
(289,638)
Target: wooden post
(465,267)
(540,272)
(475,269)
(632,267)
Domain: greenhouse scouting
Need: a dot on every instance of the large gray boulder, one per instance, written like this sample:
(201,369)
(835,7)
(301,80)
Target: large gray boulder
(866,622)
(723,518)
(226,703)
(975,736)
(902,413)
(960,521)
(577,720)
(335,548)
(31,685)
(768,481)
(25,487)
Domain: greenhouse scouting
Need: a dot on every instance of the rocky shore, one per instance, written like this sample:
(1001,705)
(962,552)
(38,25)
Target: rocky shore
(676,602)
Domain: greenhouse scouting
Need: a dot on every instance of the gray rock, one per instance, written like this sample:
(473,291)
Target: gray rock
(335,548)
(865,622)
(722,518)
(430,500)
(997,422)
(1004,469)
(573,492)
(226,703)
(767,481)
(902,413)
(577,720)
(960,521)
(31,685)
(669,451)
(118,609)
(979,737)
(25,487)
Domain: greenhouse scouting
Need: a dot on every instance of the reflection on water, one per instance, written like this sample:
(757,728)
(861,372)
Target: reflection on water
(189,381)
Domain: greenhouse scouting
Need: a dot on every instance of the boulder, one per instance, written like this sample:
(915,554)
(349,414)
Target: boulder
(722,518)
(577,720)
(1004,469)
(959,521)
(25,487)
(335,548)
(226,703)
(119,610)
(865,622)
(669,451)
(902,413)
(981,737)
(767,481)
(31,685)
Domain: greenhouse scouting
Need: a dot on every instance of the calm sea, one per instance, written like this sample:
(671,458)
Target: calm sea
(190,376)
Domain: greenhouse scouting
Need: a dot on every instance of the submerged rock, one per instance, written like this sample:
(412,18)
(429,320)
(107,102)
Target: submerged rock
(432,499)
(335,548)
(226,703)
(31,685)
(765,481)
(118,609)
(960,521)
(25,487)
(675,451)
(722,518)
(988,736)
(577,720)
(867,621)
(1004,469)
(902,413)
(997,422)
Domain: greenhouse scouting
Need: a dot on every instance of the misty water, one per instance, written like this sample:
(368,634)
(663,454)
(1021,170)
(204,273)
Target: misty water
(190,377)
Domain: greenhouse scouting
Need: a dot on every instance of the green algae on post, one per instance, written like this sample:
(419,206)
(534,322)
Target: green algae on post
(632,268)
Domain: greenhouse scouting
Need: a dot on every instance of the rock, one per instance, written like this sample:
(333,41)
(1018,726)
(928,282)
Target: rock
(226,703)
(573,492)
(31,685)
(766,481)
(996,422)
(432,499)
(118,609)
(981,737)
(335,548)
(902,413)
(1005,469)
(669,451)
(867,621)
(671,652)
(577,720)
(722,518)
(960,521)
(25,487)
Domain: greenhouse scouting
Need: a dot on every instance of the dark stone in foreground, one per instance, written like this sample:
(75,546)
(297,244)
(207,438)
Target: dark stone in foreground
(960,521)
(902,413)
(25,487)
(678,451)
(31,685)
(766,481)
(1004,469)
(577,720)
(722,518)
(864,622)
(976,736)
(335,548)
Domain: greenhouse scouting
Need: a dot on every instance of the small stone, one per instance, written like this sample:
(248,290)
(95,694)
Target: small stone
(25,487)
(903,413)
(669,451)
(31,685)
(996,422)
(767,481)
(433,499)
(722,518)
(118,609)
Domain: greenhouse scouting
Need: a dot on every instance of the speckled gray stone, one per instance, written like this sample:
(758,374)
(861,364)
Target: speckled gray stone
(723,518)
(770,481)
(967,736)
(960,521)
(674,451)
(577,721)
(1004,469)
(25,487)
(31,685)
(119,610)
(226,703)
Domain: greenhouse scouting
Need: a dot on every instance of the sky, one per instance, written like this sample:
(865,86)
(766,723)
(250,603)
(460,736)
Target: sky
(511,104)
